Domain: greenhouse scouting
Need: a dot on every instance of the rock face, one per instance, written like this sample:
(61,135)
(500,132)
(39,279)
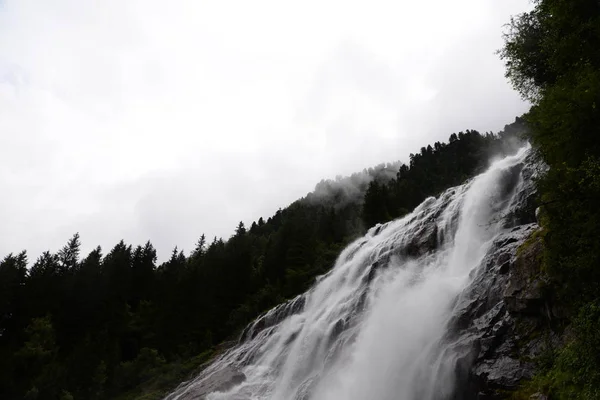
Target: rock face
(524,292)
(221,380)
(273,316)
(502,320)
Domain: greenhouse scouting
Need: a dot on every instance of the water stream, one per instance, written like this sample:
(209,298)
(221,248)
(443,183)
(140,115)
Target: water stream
(374,326)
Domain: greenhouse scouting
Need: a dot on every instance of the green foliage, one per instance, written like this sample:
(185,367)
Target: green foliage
(577,371)
(40,343)
(121,326)
(530,241)
(572,372)
(552,56)
(130,374)
(65,395)
(565,127)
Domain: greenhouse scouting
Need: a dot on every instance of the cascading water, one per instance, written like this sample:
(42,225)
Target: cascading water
(375,326)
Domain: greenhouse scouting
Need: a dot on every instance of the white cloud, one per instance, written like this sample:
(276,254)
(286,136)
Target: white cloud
(145,120)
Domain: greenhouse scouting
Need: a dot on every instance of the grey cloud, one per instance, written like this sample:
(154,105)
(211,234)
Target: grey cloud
(165,125)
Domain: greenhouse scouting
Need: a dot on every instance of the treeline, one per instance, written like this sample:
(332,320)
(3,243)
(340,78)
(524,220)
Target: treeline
(552,55)
(116,324)
(435,169)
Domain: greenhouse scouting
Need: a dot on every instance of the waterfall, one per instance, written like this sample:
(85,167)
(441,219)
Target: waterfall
(375,326)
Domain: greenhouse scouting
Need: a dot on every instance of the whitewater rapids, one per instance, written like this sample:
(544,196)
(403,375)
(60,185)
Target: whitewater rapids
(374,327)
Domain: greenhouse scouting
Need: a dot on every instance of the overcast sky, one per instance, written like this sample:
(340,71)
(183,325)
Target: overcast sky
(163,120)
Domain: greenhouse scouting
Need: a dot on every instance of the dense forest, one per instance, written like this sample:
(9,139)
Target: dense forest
(552,56)
(117,325)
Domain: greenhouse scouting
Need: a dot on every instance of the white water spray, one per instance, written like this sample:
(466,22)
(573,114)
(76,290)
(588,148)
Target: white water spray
(374,326)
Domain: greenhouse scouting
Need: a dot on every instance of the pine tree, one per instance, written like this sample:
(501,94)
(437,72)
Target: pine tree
(68,256)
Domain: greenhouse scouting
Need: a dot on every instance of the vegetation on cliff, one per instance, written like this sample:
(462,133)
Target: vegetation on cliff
(552,56)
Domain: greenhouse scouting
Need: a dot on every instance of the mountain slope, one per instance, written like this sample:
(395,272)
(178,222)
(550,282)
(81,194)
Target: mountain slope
(105,325)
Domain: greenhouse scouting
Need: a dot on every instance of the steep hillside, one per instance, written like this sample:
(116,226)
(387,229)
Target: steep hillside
(552,56)
(111,325)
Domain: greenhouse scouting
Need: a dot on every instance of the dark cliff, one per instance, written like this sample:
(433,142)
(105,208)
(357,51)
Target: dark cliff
(506,319)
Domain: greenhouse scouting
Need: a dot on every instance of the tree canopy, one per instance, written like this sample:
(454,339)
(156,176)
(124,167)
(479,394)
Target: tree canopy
(552,57)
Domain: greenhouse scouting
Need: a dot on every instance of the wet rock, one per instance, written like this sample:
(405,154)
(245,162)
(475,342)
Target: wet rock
(502,373)
(378,229)
(338,328)
(523,211)
(220,381)
(423,241)
(504,268)
(372,272)
(507,241)
(503,258)
(499,317)
(361,302)
(524,290)
(272,317)
(292,337)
